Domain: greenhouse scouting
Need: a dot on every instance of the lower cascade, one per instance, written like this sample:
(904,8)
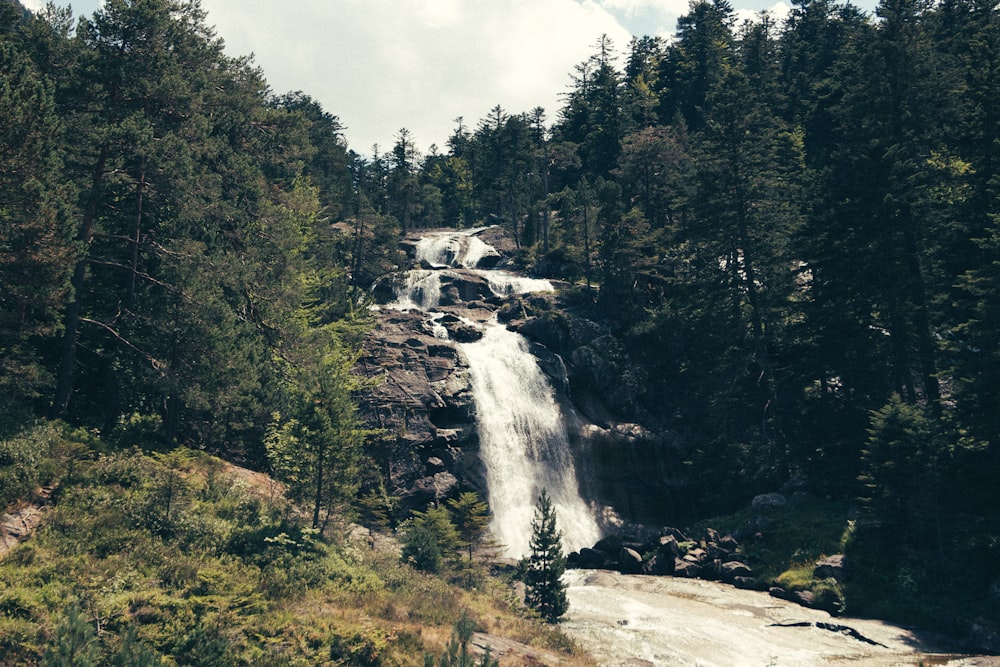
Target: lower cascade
(523,443)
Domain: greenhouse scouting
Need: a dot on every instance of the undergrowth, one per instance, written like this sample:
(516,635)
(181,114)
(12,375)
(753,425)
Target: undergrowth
(170,558)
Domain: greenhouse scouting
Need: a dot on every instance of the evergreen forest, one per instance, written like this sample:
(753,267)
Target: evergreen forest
(795,228)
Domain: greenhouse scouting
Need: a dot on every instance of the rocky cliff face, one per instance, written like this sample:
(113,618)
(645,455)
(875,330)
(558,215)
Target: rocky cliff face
(635,460)
(424,404)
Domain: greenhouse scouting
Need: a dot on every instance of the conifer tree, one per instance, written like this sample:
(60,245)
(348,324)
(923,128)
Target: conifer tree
(471,515)
(546,592)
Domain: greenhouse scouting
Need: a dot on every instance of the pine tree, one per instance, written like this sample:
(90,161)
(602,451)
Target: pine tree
(546,592)
(471,516)
(75,643)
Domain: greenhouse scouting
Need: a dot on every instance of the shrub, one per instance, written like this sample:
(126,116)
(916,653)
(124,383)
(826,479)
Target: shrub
(24,462)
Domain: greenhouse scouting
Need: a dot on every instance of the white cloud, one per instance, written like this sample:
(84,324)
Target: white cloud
(778,11)
(381,65)
(632,7)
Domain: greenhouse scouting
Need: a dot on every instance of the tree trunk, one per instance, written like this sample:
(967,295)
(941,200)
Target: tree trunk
(85,234)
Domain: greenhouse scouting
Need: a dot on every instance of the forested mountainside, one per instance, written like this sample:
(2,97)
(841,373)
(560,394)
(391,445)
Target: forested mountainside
(794,228)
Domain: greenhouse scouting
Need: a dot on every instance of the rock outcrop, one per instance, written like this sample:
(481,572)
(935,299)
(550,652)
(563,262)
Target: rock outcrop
(422,403)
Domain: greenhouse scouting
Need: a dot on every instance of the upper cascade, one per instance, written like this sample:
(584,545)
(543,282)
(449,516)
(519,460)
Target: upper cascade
(455,249)
(447,253)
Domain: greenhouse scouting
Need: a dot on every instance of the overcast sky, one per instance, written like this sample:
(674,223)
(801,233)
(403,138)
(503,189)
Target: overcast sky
(381,65)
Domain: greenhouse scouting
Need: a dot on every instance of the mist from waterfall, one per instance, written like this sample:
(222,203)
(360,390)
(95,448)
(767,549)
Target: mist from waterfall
(523,440)
(523,443)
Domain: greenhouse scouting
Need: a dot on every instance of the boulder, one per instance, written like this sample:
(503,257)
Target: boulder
(696,555)
(729,544)
(435,487)
(745,583)
(460,287)
(460,332)
(611,544)
(629,561)
(831,567)
(767,501)
(711,570)
(686,569)
(661,564)
(668,546)
(804,598)
(734,569)
(591,559)
(545,330)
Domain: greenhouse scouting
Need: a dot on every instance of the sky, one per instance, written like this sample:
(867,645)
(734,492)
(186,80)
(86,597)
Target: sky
(384,65)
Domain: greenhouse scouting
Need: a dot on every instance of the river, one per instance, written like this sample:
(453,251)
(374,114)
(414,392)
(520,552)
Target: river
(662,621)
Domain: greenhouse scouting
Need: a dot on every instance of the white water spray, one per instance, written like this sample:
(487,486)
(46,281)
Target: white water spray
(523,443)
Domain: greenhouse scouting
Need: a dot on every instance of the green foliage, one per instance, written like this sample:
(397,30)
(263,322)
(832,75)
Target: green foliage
(471,517)
(431,540)
(545,592)
(457,652)
(316,448)
(901,464)
(75,643)
(229,575)
(26,461)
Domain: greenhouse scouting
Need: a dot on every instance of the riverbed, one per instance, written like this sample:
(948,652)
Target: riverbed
(640,621)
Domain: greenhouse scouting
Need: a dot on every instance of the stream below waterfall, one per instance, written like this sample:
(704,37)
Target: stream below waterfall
(633,620)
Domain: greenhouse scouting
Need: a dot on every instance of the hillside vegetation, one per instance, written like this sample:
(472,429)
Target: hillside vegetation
(792,231)
(150,558)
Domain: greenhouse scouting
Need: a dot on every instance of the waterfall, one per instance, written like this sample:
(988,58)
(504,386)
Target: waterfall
(523,440)
(523,443)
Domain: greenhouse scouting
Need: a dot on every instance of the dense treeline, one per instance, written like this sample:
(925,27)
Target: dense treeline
(795,227)
(170,271)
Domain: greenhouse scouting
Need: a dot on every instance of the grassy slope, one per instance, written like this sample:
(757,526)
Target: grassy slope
(209,570)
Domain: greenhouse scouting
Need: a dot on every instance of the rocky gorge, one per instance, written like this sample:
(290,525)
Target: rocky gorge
(423,400)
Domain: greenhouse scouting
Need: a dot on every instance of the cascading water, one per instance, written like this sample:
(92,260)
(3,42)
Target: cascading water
(523,439)
(523,443)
